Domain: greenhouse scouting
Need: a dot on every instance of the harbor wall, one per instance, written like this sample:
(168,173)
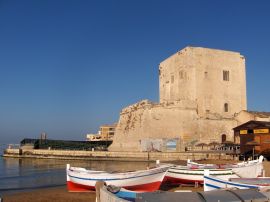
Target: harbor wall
(121,156)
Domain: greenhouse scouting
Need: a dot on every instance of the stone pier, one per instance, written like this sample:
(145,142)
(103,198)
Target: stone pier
(116,156)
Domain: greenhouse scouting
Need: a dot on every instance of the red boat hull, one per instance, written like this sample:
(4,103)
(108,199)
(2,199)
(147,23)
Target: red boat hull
(178,181)
(74,187)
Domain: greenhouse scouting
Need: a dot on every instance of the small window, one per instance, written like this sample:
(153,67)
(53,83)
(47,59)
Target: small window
(172,79)
(226,107)
(223,138)
(226,75)
(205,75)
(181,75)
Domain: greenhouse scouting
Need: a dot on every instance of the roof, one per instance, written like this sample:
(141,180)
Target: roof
(109,125)
(206,50)
(253,125)
(260,114)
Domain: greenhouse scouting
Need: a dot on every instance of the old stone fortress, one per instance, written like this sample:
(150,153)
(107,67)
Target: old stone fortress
(202,98)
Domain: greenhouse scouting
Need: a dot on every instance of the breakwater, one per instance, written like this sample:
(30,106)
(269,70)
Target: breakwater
(121,156)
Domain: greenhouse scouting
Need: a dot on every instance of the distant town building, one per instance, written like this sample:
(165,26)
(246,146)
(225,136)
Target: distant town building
(105,133)
(202,98)
(93,137)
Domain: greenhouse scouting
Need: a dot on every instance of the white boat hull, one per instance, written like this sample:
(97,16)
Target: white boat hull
(145,180)
(213,183)
(249,169)
(185,175)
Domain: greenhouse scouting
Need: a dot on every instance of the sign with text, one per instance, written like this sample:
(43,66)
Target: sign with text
(257,131)
(243,132)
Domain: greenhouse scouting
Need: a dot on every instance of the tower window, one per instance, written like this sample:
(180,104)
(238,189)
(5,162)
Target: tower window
(181,75)
(226,107)
(226,75)
(172,78)
(205,75)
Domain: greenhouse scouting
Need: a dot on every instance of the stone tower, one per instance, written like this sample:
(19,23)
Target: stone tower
(201,91)
(214,79)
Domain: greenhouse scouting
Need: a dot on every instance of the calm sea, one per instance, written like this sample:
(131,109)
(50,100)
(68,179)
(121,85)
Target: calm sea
(18,175)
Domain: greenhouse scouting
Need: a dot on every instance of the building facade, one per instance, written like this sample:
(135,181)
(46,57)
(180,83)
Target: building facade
(107,131)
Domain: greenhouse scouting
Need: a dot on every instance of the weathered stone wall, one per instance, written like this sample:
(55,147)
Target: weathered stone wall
(167,121)
(245,116)
(146,120)
(212,130)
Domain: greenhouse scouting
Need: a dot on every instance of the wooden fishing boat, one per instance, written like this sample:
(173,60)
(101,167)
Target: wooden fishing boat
(123,195)
(213,183)
(122,192)
(186,175)
(260,181)
(143,180)
(246,169)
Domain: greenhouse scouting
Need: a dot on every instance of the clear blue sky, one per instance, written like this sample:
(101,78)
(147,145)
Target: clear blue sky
(69,66)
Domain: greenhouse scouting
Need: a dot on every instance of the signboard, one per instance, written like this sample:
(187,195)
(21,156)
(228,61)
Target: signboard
(243,132)
(254,131)
(257,131)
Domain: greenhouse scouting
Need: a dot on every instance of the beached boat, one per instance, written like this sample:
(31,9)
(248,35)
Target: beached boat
(246,169)
(142,180)
(123,195)
(213,183)
(85,170)
(122,192)
(186,175)
(260,181)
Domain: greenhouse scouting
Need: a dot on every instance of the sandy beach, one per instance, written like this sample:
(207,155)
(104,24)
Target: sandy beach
(59,194)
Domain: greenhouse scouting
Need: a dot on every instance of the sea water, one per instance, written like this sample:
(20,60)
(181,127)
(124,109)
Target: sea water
(24,174)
